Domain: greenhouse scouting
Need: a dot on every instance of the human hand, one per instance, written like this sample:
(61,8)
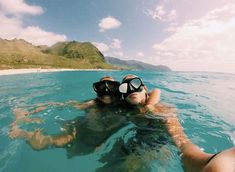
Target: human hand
(147,108)
(15,132)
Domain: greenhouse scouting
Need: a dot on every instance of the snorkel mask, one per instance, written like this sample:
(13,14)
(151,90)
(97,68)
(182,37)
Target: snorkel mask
(106,87)
(131,85)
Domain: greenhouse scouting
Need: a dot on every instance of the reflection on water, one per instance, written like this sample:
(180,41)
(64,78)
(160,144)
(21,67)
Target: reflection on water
(205,108)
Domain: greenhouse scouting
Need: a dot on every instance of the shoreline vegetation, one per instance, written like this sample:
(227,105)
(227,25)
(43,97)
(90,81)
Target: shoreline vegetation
(40,70)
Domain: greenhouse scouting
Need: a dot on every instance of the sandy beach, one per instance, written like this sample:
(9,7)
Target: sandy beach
(38,70)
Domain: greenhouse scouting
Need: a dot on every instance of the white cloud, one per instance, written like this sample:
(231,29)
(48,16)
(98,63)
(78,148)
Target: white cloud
(114,49)
(140,54)
(172,27)
(12,26)
(19,7)
(204,44)
(160,13)
(9,26)
(172,15)
(117,54)
(101,46)
(37,36)
(109,23)
(116,44)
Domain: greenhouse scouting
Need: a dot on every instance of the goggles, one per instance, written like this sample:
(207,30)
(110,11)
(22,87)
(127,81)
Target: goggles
(130,86)
(106,87)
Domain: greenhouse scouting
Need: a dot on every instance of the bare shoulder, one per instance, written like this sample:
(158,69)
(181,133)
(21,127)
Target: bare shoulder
(223,161)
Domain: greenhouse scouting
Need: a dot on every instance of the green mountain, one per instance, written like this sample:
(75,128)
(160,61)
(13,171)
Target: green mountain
(135,65)
(76,50)
(21,54)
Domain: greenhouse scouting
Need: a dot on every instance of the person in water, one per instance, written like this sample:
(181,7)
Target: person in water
(107,97)
(137,152)
(107,94)
(194,159)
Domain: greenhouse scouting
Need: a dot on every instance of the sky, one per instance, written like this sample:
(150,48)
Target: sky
(185,35)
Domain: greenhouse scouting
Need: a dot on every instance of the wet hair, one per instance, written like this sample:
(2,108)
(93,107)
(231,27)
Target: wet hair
(107,77)
(129,76)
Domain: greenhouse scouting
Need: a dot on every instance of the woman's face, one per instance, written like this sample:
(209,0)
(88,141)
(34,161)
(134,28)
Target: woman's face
(106,99)
(136,98)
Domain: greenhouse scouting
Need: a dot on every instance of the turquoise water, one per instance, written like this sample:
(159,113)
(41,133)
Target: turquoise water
(205,103)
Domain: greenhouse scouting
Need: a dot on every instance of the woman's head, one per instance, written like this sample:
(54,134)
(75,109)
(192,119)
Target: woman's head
(106,89)
(133,90)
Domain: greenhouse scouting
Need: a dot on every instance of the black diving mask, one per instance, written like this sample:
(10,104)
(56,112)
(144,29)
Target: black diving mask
(106,87)
(130,86)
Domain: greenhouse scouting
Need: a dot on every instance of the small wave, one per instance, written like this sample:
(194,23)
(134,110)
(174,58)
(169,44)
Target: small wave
(9,154)
(173,91)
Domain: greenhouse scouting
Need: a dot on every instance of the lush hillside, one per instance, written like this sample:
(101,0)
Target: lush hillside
(133,64)
(21,54)
(76,50)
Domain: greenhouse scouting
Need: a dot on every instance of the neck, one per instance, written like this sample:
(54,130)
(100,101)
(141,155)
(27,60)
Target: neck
(143,102)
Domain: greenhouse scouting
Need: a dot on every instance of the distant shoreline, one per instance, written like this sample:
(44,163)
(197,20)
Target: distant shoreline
(39,70)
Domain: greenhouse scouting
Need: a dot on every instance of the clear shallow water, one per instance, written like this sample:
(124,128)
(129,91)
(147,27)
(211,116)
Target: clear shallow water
(205,103)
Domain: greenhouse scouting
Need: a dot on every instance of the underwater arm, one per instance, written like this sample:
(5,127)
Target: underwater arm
(83,105)
(39,141)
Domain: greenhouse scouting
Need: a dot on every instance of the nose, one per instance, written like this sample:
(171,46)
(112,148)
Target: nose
(131,88)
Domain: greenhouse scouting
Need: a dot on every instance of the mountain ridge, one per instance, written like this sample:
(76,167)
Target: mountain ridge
(136,65)
(18,53)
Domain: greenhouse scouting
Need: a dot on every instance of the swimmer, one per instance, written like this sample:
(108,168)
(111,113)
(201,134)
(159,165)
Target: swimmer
(194,159)
(136,153)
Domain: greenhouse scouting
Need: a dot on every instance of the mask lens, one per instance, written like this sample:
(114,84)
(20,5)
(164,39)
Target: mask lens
(113,86)
(123,88)
(136,83)
(99,86)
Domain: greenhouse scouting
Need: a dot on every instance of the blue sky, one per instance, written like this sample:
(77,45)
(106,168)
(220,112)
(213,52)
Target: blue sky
(184,35)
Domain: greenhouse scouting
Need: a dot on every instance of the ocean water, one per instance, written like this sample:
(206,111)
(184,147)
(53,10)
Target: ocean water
(205,103)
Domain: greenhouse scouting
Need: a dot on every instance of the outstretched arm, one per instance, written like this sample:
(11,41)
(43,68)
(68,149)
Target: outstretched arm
(194,159)
(39,141)
(83,105)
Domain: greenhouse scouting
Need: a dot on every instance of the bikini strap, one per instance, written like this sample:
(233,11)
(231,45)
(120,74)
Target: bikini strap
(212,157)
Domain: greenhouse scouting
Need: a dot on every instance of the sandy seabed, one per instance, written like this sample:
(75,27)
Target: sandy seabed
(38,70)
